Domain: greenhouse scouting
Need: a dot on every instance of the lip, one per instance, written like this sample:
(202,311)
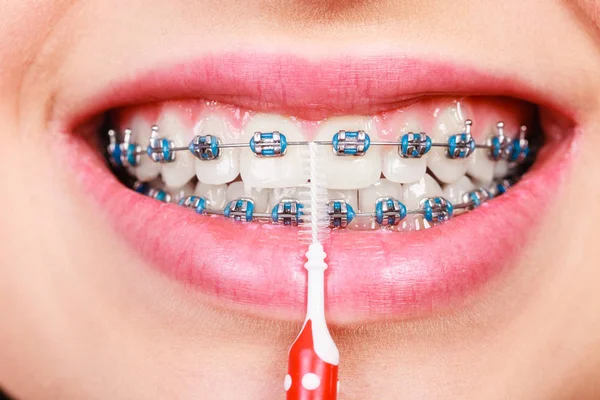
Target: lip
(306,89)
(260,270)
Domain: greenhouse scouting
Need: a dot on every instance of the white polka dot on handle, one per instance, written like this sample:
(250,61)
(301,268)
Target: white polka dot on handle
(287,382)
(310,381)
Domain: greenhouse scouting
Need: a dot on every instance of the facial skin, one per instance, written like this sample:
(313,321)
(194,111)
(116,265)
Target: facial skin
(82,316)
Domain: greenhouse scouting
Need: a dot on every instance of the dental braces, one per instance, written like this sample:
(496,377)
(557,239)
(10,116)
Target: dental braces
(388,210)
(343,143)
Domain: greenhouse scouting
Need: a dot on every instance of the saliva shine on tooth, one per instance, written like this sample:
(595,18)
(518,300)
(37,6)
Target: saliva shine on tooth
(388,211)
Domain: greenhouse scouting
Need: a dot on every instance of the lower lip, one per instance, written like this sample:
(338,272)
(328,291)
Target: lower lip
(258,268)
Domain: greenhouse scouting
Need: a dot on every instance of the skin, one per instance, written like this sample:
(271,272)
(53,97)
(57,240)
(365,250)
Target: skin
(83,317)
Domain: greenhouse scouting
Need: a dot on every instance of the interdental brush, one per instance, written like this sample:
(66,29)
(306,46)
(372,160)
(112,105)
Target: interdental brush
(314,357)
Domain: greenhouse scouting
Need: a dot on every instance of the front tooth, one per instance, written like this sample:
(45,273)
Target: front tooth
(400,169)
(225,168)
(277,195)
(348,172)
(147,169)
(237,190)
(179,172)
(383,188)
(349,196)
(273,172)
(215,195)
(414,192)
(449,122)
(455,191)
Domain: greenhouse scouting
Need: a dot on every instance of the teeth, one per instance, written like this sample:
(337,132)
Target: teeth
(383,188)
(273,172)
(215,195)
(414,192)
(182,192)
(480,167)
(147,169)
(451,121)
(179,172)
(348,172)
(454,191)
(502,168)
(284,193)
(237,190)
(400,169)
(349,196)
(227,167)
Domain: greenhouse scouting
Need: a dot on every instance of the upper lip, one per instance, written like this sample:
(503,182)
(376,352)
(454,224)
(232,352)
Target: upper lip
(386,273)
(303,88)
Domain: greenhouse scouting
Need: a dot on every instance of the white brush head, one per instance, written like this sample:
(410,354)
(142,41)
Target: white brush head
(315,222)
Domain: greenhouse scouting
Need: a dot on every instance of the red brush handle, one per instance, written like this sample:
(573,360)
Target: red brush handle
(309,377)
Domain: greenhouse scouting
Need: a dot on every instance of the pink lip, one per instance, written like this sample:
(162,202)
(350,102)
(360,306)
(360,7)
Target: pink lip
(259,268)
(305,89)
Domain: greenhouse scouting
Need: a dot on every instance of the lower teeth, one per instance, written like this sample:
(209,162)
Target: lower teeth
(389,212)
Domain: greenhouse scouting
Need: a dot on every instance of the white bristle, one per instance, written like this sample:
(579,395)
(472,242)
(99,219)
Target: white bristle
(316,230)
(314,197)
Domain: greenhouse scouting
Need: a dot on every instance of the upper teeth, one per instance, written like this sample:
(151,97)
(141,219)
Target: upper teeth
(147,170)
(275,160)
(348,172)
(272,172)
(226,167)
(449,123)
(177,174)
(401,169)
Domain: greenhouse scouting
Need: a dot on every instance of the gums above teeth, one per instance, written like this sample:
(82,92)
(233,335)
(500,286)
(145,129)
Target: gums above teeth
(415,204)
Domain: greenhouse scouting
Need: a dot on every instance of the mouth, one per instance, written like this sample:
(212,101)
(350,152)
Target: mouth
(437,175)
